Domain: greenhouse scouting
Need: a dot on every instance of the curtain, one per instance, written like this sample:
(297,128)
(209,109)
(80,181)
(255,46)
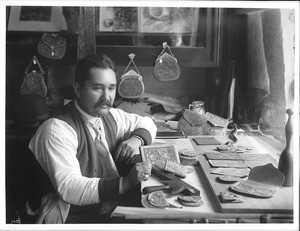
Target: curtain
(86,32)
(260,72)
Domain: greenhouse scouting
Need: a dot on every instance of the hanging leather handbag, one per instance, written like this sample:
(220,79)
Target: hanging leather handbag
(192,123)
(166,67)
(34,81)
(131,85)
(52,46)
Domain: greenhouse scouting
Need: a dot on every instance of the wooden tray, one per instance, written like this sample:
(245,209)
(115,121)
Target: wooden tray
(281,202)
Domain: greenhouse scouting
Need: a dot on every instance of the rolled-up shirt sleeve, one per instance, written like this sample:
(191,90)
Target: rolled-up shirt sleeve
(55,146)
(132,124)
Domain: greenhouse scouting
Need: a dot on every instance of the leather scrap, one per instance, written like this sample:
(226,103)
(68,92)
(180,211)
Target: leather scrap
(158,199)
(191,201)
(228,179)
(231,197)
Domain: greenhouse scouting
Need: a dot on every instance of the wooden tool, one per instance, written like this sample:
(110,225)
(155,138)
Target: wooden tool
(188,190)
(285,164)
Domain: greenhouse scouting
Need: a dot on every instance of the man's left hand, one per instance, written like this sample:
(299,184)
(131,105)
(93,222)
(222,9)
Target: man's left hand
(127,150)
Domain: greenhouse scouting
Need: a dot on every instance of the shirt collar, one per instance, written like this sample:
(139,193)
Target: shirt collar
(87,117)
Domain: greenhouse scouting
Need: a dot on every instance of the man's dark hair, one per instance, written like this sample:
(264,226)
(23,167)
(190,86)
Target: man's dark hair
(83,67)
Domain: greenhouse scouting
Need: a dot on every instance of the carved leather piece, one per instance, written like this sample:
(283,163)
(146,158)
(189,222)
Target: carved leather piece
(131,85)
(33,83)
(178,169)
(166,68)
(253,191)
(158,199)
(52,46)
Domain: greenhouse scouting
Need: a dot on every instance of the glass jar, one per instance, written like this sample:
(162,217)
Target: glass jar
(198,107)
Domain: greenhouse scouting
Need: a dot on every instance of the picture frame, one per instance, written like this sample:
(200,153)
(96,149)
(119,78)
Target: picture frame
(118,19)
(168,20)
(36,18)
(159,154)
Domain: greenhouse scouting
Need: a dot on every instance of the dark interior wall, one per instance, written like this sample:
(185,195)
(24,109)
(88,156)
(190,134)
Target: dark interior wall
(191,82)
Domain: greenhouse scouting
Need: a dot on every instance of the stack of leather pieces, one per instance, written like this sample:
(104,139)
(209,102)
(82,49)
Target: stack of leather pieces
(188,157)
(191,201)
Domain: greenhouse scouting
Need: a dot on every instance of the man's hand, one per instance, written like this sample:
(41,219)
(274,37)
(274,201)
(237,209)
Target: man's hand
(140,172)
(127,150)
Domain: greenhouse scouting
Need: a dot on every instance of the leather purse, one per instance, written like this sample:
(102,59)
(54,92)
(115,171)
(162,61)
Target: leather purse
(192,123)
(131,85)
(166,67)
(52,46)
(34,81)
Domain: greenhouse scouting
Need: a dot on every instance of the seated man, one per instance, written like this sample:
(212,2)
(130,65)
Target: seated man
(86,149)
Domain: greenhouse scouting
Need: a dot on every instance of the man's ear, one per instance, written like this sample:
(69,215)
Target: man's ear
(76,88)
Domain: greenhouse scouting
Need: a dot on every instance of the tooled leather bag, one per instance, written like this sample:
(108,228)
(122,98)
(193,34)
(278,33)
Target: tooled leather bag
(52,46)
(131,85)
(192,123)
(166,67)
(34,81)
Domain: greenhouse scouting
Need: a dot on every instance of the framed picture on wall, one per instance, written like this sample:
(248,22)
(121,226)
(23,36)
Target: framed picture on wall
(36,18)
(118,19)
(168,20)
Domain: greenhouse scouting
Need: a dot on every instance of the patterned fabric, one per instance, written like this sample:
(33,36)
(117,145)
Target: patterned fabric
(86,32)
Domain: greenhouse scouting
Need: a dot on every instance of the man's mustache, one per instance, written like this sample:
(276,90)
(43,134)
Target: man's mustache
(103,103)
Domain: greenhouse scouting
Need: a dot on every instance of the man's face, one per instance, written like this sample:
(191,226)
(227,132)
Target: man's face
(97,95)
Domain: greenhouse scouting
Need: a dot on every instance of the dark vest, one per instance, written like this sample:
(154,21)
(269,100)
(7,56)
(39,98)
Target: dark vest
(87,155)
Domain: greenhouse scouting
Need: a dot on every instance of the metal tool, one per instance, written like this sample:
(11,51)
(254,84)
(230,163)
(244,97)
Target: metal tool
(175,186)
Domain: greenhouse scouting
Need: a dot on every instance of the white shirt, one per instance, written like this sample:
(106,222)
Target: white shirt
(55,147)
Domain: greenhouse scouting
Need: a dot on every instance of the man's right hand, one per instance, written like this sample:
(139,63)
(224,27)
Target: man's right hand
(139,172)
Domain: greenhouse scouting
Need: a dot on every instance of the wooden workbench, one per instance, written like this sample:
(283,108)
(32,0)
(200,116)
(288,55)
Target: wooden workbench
(280,206)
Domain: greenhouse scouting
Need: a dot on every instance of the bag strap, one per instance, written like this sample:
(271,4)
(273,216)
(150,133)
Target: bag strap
(131,56)
(34,61)
(165,46)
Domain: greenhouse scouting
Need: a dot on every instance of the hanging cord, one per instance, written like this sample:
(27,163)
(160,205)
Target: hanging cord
(131,56)
(154,54)
(34,61)
(165,45)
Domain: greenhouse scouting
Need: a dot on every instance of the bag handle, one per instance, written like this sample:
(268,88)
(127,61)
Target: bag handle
(34,61)
(165,46)
(131,56)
